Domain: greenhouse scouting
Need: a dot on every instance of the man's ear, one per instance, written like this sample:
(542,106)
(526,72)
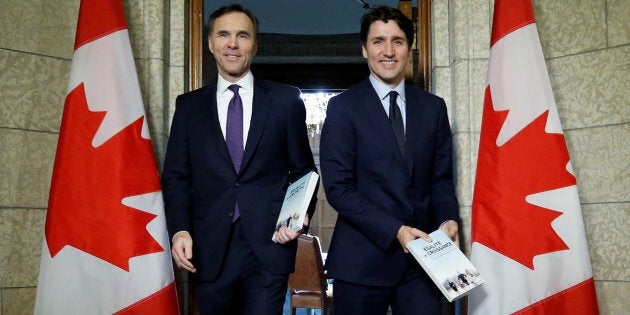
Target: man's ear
(364,51)
(210,45)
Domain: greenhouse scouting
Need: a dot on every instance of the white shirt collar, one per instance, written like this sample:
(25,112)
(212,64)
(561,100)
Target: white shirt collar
(382,89)
(246,83)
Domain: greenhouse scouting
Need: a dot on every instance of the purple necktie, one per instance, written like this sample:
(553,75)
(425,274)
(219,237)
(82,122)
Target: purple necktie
(234,133)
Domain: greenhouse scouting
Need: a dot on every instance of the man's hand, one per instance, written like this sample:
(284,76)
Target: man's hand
(284,235)
(182,250)
(407,234)
(451,229)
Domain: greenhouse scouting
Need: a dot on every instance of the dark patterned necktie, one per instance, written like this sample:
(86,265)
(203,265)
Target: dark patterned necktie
(234,133)
(395,119)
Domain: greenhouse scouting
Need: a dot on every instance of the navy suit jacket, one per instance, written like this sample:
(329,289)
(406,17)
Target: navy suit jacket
(201,186)
(375,189)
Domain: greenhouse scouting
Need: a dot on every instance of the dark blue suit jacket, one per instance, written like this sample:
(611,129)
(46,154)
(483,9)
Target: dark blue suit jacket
(375,189)
(201,186)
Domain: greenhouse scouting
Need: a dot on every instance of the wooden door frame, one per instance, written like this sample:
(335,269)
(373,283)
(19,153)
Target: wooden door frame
(195,48)
(420,15)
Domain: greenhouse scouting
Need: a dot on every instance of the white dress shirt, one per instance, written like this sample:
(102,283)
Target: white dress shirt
(382,90)
(224,95)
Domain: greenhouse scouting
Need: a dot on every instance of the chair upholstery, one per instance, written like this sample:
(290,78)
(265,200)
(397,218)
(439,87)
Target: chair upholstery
(308,285)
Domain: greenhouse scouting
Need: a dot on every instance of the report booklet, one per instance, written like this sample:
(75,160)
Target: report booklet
(446,264)
(296,202)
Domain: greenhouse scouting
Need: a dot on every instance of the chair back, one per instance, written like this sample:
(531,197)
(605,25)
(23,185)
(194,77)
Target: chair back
(309,265)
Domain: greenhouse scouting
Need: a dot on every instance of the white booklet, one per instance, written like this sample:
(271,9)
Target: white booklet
(446,264)
(296,202)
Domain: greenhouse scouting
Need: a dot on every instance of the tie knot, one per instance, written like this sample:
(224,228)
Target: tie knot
(392,97)
(234,88)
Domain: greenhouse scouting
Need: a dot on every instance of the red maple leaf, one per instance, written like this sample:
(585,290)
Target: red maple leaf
(532,161)
(85,207)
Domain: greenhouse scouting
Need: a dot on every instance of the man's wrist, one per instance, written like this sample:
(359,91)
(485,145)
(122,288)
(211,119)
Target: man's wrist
(178,233)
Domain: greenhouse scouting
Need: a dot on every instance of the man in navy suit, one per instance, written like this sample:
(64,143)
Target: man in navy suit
(235,145)
(386,162)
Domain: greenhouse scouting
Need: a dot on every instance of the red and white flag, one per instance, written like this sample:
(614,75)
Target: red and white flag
(527,230)
(106,249)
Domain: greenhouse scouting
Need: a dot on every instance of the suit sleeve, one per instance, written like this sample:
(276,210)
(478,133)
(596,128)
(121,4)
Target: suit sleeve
(176,185)
(339,175)
(443,201)
(300,156)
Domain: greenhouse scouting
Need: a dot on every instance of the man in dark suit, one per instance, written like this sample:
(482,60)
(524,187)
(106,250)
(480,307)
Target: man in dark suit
(235,145)
(386,162)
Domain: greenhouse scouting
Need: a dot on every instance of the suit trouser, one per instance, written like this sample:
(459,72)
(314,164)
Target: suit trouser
(414,294)
(244,285)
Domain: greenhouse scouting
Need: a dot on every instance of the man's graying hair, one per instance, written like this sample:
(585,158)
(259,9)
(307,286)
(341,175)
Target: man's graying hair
(229,9)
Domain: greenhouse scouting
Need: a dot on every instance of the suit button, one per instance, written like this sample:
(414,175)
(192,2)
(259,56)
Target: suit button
(237,184)
(231,214)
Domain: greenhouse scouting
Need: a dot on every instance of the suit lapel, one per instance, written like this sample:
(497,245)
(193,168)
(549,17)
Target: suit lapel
(413,119)
(375,111)
(260,111)
(212,116)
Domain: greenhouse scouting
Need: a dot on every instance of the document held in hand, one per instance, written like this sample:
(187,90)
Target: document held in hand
(296,202)
(446,264)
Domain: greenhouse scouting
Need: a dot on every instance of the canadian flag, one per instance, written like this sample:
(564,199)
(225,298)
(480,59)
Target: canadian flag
(106,249)
(527,229)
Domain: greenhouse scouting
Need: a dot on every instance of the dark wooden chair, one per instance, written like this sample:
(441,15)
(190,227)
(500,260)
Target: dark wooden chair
(308,285)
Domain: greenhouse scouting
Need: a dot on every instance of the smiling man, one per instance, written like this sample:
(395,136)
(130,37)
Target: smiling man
(234,147)
(386,161)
